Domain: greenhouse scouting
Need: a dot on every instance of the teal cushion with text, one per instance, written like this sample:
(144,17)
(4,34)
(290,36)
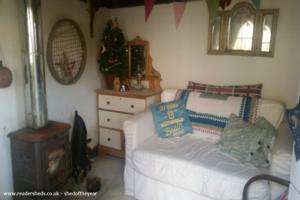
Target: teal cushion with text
(171,119)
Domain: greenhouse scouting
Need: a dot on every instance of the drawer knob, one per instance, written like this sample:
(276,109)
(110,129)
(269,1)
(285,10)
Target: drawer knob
(108,139)
(132,106)
(108,120)
(108,102)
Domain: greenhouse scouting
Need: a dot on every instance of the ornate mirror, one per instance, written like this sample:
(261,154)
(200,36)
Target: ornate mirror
(138,51)
(66,52)
(243,30)
(140,64)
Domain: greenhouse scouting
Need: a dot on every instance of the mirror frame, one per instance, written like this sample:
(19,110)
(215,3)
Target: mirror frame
(152,76)
(138,41)
(257,32)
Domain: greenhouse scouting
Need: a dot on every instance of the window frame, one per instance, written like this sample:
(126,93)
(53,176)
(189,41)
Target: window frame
(257,32)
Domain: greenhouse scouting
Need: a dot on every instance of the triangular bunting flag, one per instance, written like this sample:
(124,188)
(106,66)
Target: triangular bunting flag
(212,6)
(148,8)
(256,3)
(178,11)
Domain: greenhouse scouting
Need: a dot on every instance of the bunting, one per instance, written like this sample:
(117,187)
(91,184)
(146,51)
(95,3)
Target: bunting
(212,6)
(178,11)
(148,8)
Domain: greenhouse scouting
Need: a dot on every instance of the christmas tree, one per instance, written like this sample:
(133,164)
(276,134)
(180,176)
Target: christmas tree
(113,57)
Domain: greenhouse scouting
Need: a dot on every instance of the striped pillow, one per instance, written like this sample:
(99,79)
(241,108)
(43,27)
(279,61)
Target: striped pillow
(208,113)
(232,90)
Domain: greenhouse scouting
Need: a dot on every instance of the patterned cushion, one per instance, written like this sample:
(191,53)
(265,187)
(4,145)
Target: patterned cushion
(232,90)
(209,113)
(171,119)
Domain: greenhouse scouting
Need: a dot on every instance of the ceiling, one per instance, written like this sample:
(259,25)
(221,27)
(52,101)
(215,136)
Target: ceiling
(129,3)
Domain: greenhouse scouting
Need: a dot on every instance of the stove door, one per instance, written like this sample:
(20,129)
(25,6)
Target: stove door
(58,163)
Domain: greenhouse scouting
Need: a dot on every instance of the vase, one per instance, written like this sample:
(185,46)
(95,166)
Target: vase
(109,80)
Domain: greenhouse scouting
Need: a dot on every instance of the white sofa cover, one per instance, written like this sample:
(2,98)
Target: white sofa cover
(186,167)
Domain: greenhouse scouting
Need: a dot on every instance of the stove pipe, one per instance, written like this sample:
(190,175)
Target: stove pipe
(35,91)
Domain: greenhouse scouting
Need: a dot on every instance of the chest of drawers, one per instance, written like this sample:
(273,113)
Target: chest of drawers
(113,108)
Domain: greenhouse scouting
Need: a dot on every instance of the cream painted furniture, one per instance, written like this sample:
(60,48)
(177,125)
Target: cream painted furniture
(113,108)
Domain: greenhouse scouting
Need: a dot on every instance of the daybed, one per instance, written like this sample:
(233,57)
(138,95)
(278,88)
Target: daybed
(189,168)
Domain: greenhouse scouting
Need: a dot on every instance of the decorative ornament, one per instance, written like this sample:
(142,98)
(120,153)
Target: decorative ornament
(113,54)
(5,76)
(224,3)
(66,52)
(178,11)
(148,8)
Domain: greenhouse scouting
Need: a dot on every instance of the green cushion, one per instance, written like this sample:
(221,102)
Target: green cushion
(171,119)
(247,142)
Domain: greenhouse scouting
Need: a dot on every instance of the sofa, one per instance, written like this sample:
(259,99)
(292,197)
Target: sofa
(190,168)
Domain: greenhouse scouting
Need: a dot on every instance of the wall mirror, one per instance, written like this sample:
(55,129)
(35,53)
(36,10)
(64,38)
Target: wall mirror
(138,51)
(140,63)
(243,30)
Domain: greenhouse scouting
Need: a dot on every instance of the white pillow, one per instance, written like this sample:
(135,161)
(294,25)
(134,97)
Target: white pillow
(168,95)
(272,110)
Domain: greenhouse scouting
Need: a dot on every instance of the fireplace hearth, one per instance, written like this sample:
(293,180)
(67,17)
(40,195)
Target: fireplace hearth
(41,157)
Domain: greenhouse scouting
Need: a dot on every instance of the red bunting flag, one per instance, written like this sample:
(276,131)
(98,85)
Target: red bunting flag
(148,8)
(178,11)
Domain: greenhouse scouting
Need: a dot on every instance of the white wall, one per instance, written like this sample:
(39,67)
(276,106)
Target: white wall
(12,113)
(180,55)
(63,100)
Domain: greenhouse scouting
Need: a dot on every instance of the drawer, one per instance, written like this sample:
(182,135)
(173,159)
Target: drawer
(110,138)
(122,104)
(112,119)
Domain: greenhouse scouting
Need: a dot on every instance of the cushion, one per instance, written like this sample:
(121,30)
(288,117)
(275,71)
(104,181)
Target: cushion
(271,110)
(171,119)
(247,142)
(232,90)
(209,113)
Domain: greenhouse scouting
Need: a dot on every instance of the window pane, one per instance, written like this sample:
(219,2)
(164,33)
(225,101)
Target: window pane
(240,30)
(215,32)
(266,33)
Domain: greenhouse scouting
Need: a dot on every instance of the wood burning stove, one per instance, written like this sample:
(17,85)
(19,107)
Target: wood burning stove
(41,158)
(41,152)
